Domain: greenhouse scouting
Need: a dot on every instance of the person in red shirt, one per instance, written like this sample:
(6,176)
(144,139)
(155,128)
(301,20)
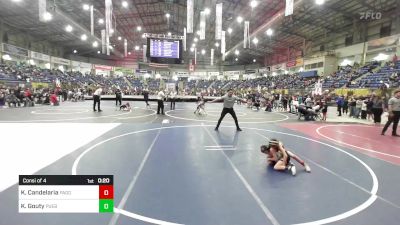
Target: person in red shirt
(395,59)
(54,99)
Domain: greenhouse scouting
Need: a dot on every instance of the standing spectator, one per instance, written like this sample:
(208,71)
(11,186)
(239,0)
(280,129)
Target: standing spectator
(369,103)
(118,97)
(359,103)
(377,108)
(324,109)
(160,101)
(172,99)
(97,98)
(352,106)
(394,113)
(146,97)
(346,106)
(339,103)
(364,109)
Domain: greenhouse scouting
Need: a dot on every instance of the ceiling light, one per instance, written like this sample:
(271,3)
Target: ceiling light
(111,31)
(125,4)
(169,34)
(194,45)
(47,16)
(98,52)
(217,44)
(237,52)
(319,2)
(255,41)
(101,21)
(239,19)
(230,30)
(83,37)
(95,44)
(139,28)
(129,53)
(236,59)
(203,51)
(207,11)
(68,28)
(119,38)
(167,15)
(195,39)
(192,49)
(270,32)
(137,48)
(86,7)
(198,32)
(143,36)
(253,4)
(16,0)
(254,60)
(75,51)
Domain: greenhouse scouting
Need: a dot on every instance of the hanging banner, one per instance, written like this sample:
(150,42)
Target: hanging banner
(246,42)
(223,45)
(190,13)
(14,50)
(103,41)
(126,47)
(184,39)
(218,21)
(144,53)
(195,56)
(40,56)
(108,13)
(202,25)
(91,21)
(42,10)
(289,8)
(60,61)
(103,67)
(212,57)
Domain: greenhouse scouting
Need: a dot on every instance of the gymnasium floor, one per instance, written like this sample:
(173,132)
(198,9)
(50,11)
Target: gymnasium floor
(175,169)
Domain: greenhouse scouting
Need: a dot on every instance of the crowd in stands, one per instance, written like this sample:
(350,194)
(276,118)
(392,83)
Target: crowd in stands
(372,75)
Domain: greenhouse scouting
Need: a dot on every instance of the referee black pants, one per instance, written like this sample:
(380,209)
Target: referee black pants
(233,114)
(395,120)
(96,100)
(160,106)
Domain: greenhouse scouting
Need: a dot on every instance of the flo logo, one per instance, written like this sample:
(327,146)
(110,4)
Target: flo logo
(369,15)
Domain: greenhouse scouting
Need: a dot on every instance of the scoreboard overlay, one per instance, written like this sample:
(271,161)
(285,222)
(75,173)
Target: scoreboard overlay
(66,194)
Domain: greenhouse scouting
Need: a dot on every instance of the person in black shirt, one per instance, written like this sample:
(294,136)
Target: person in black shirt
(118,97)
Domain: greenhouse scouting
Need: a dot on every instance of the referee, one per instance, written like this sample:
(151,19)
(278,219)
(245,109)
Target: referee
(229,100)
(394,114)
(96,99)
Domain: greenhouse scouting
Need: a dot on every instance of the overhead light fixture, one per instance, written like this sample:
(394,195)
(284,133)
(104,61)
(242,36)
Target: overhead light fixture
(255,41)
(98,52)
(169,34)
(75,51)
(83,37)
(236,59)
(129,53)
(198,32)
(111,31)
(237,52)
(16,0)
(203,51)
(253,4)
(319,2)
(137,48)
(192,49)
(230,30)
(101,21)
(119,38)
(254,60)
(194,45)
(95,44)
(138,28)
(217,44)
(47,16)
(125,4)
(207,11)
(86,7)
(239,19)
(143,36)
(68,28)
(195,39)
(167,15)
(270,32)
